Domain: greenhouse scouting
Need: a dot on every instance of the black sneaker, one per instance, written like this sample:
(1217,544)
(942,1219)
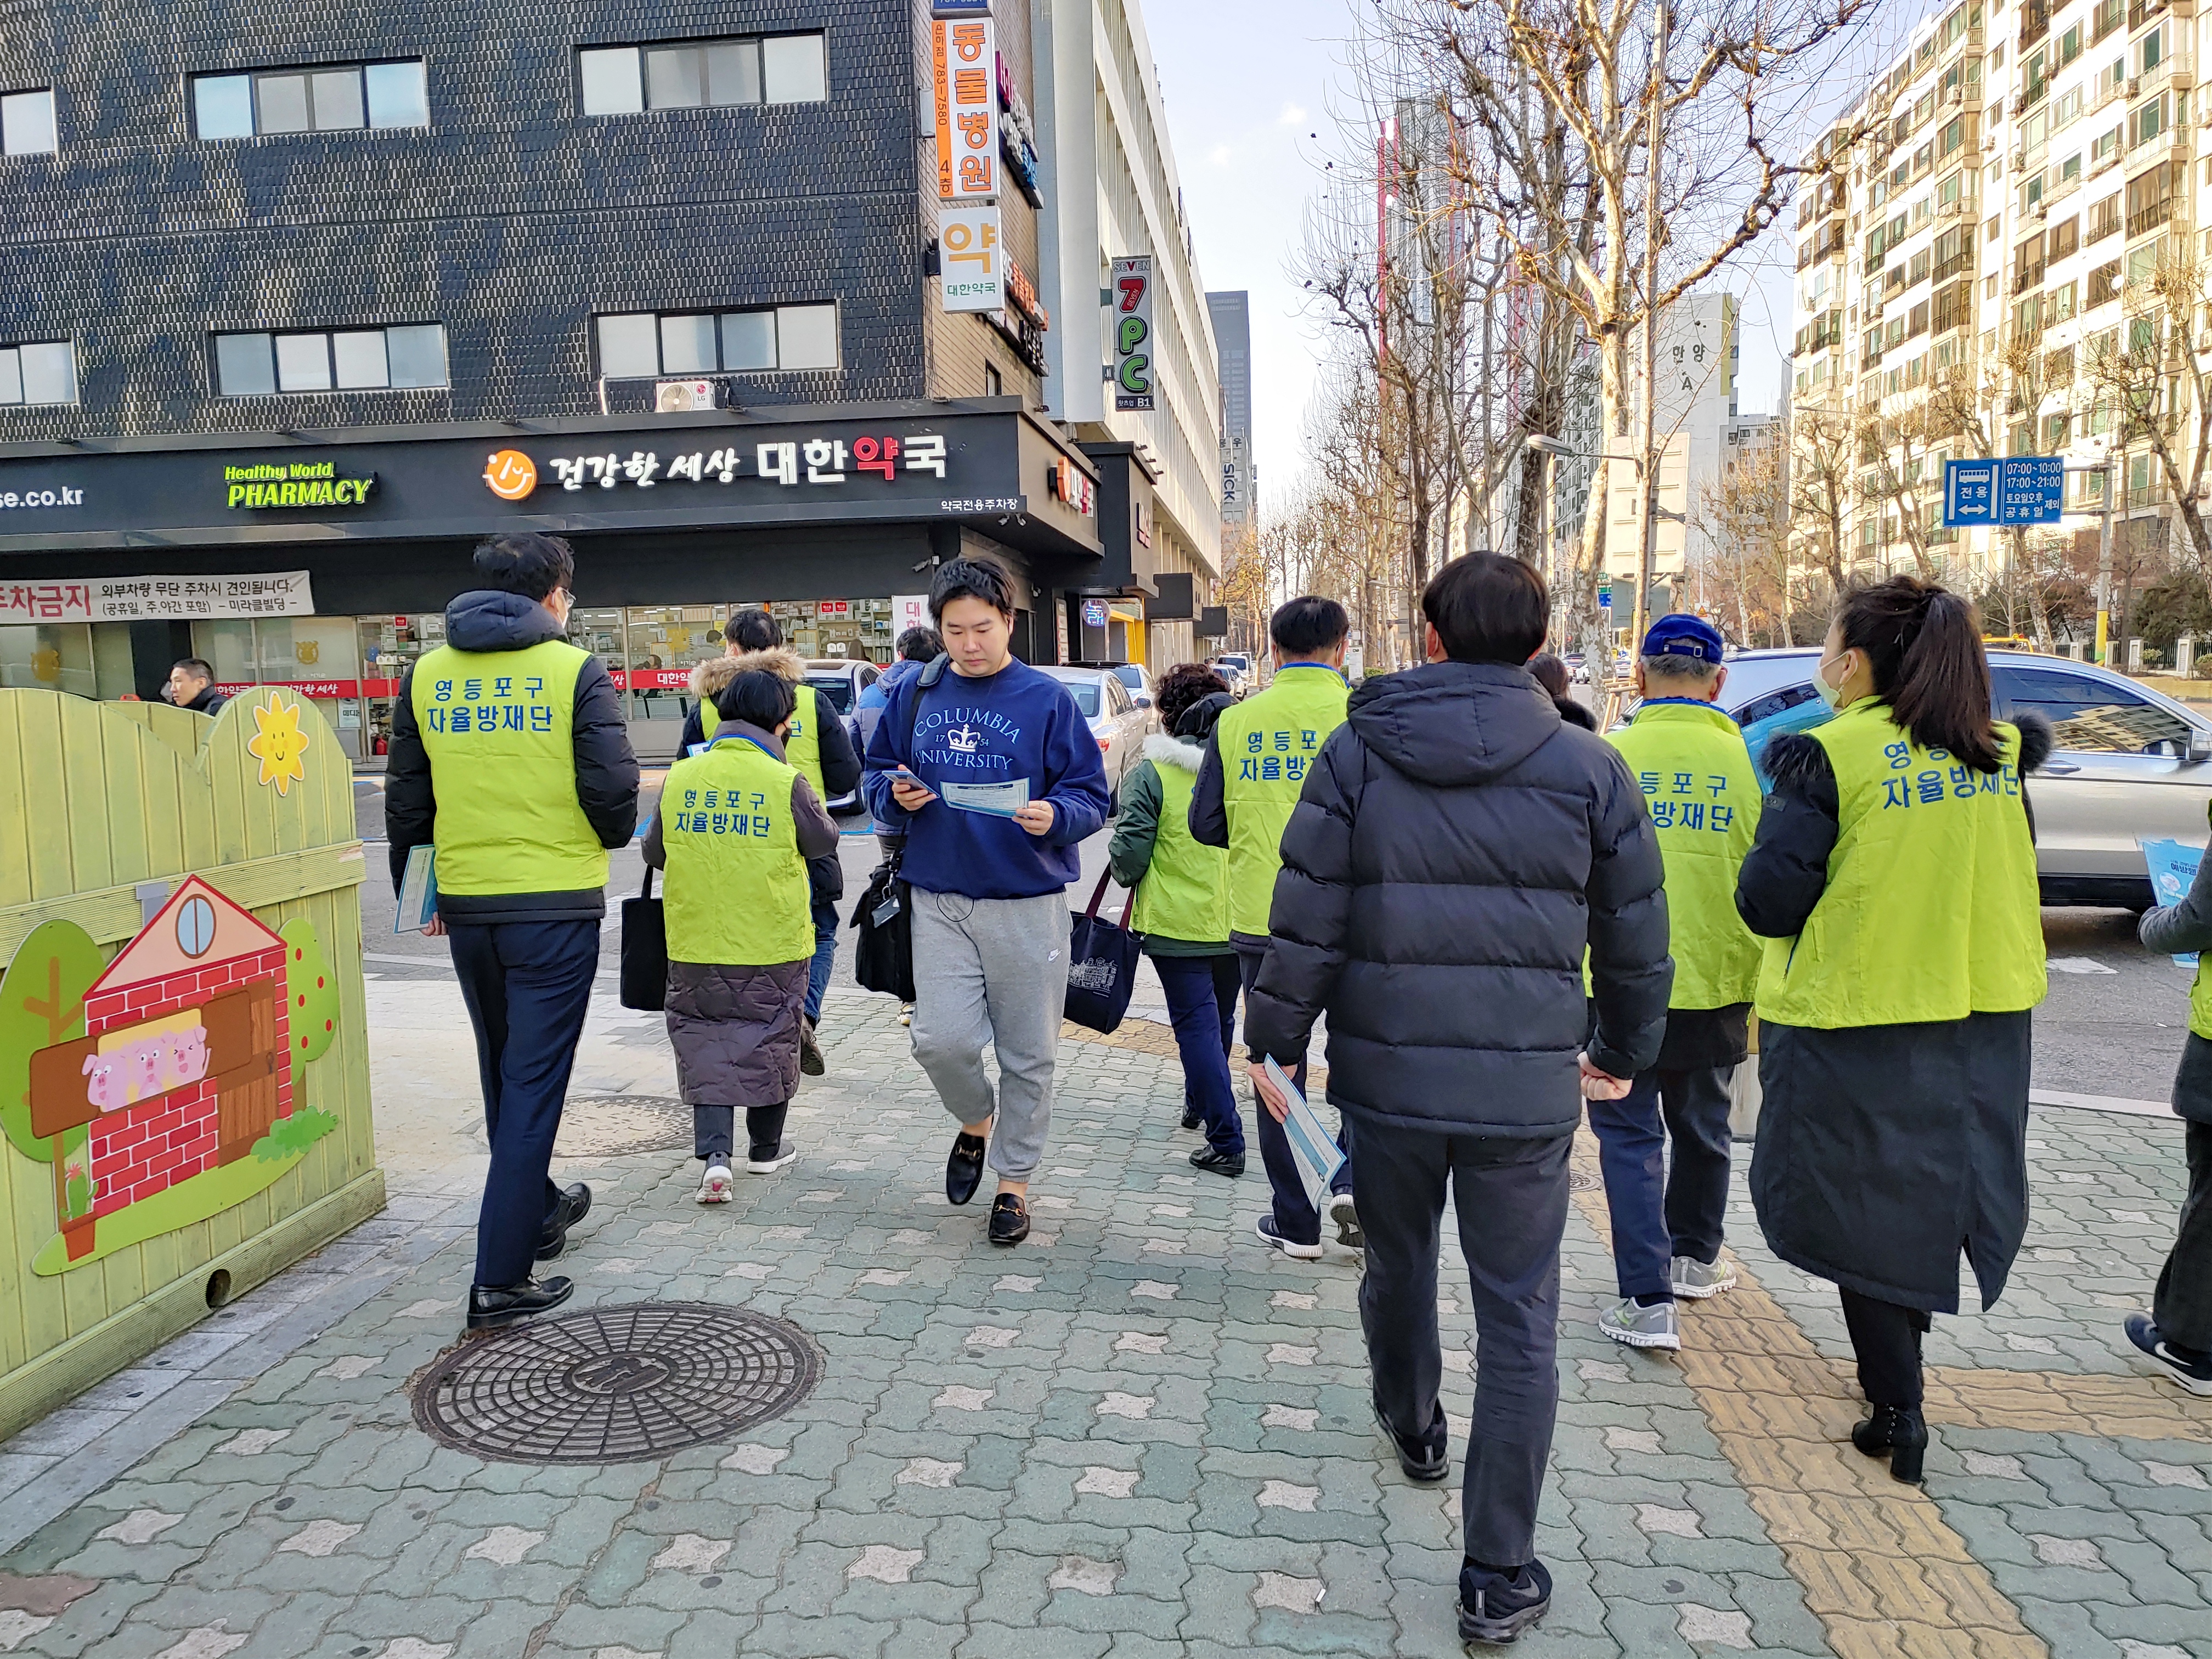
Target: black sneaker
(963,1170)
(2192,1372)
(1425,1460)
(493,1305)
(766,1160)
(1009,1219)
(572,1206)
(810,1051)
(1215,1162)
(1496,1607)
(1192,1117)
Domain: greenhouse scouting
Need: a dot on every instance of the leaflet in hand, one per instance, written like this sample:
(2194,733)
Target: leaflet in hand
(418,891)
(2172,866)
(999,800)
(1313,1148)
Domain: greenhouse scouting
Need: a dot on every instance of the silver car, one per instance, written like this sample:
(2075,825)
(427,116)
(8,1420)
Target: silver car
(2131,764)
(840,680)
(1115,721)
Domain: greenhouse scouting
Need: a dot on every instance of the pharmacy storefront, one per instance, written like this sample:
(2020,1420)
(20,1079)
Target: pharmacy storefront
(325,567)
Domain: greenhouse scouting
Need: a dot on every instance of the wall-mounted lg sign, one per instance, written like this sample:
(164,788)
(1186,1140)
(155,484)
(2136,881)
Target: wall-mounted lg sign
(60,495)
(294,483)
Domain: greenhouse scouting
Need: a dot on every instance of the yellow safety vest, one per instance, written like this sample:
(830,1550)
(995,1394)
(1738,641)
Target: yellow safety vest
(1704,798)
(1931,910)
(1185,892)
(497,727)
(736,894)
(802,743)
(1266,743)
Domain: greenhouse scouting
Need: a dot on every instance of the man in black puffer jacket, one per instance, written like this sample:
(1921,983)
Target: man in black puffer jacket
(1456,847)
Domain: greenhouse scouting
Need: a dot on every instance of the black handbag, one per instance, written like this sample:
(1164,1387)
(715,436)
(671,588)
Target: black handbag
(644,952)
(883,955)
(883,958)
(1102,964)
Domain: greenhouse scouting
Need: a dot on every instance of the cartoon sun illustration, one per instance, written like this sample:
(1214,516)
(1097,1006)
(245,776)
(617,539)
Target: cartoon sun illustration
(278,744)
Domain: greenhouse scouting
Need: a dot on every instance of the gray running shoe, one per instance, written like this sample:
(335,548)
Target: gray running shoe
(1699,1280)
(1641,1328)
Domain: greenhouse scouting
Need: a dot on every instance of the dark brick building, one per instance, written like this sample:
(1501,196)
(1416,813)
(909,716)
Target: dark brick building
(341,231)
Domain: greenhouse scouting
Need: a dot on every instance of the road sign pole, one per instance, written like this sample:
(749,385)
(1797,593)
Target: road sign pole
(2104,567)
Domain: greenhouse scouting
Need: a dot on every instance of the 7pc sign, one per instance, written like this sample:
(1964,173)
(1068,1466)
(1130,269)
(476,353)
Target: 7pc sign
(1131,296)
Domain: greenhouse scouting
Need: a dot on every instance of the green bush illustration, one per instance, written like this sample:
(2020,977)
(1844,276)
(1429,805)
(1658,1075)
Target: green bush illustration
(295,1133)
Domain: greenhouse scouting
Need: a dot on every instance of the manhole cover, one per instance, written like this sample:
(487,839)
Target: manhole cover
(616,1385)
(614,1126)
(1579,1181)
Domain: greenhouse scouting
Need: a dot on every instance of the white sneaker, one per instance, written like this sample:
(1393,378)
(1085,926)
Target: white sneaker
(1641,1328)
(785,1151)
(1699,1280)
(1265,1227)
(714,1186)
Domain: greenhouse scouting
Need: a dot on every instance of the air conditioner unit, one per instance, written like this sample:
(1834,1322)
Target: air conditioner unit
(681,396)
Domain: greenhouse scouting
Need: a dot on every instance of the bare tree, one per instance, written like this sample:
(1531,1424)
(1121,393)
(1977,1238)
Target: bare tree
(1745,514)
(2156,371)
(1822,464)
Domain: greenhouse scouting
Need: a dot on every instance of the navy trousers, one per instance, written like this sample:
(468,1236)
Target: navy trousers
(1510,1199)
(1296,1219)
(1660,1213)
(1201,993)
(527,985)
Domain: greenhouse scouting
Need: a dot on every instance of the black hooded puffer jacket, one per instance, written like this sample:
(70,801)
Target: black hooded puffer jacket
(1456,847)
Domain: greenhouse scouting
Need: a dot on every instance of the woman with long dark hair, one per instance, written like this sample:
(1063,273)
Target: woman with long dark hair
(1894,878)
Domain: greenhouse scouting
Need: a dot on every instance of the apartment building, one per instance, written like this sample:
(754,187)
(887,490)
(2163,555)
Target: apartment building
(1989,223)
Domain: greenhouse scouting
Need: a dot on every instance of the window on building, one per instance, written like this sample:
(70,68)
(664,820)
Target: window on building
(2065,109)
(2150,199)
(26,122)
(776,69)
(2103,218)
(2058,303)
(37,372)
(2150,51)
(324,97)
(1921,264)
(393,359)
(2147,121)
(2108,16)
(640,345)
(2062,238)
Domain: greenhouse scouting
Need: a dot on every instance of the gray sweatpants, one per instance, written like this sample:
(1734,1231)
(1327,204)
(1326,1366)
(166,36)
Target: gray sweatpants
(992,971)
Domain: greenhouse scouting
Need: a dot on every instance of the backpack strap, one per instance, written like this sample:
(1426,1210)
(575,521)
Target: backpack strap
(923,681)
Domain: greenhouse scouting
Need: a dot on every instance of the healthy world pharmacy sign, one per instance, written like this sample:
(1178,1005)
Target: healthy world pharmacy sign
(2017,489)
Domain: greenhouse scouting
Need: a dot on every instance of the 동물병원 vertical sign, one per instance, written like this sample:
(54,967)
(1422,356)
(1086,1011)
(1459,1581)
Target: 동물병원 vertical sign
(1132,293)
(965,61)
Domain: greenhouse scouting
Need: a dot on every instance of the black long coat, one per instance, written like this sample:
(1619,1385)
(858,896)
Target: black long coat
(1884,1152)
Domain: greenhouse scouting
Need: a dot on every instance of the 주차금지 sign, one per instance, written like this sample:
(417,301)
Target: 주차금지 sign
(135,598)
(2017,489)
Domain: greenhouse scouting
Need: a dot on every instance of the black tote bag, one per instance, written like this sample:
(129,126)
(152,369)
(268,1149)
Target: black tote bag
(883,958)
(1102,964)
(644,952)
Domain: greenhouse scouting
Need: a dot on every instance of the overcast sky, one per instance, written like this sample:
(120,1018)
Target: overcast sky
(1248,84)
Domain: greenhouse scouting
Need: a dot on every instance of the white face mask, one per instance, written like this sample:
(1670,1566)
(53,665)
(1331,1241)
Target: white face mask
(1831,694)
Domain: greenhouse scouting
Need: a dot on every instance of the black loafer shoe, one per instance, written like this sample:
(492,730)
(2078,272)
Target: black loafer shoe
(1009,1219)
(493,1305)
(810,1051)
(574,1204)
(1218,1163)
(1426,1460)
(963,1171)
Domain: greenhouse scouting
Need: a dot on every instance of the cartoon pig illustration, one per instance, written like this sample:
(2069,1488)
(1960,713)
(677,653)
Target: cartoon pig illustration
(147,1056)
(108,1088)
(188,1059)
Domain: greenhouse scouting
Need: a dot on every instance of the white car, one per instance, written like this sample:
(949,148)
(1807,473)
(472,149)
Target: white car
(1115,721)
(2129,763)
(1237,668)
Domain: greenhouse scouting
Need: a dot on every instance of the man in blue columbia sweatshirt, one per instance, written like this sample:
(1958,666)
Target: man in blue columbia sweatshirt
(999,783)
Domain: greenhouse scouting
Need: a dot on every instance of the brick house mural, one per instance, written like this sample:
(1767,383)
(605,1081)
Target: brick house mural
(186,1060)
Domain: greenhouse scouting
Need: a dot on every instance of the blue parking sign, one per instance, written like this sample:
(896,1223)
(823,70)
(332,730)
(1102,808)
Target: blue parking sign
(1969,493)
(2032,489)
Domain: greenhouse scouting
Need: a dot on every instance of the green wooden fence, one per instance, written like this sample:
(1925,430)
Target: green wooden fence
(99,801)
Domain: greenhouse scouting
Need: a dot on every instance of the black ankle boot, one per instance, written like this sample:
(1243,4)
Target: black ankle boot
(1901,1433)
